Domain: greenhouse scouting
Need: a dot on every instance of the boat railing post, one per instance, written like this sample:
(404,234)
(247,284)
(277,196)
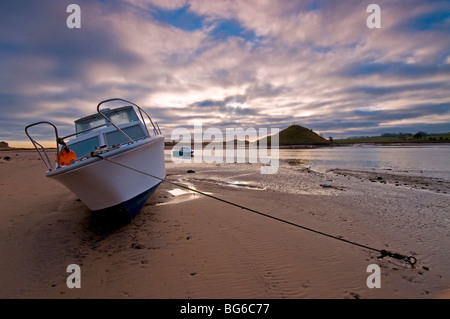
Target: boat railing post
(37,145)
(140,113)
(158,128)
(111,122)
(143,121)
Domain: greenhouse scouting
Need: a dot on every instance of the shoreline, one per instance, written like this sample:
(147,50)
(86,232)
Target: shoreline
(169,145)
(189,246)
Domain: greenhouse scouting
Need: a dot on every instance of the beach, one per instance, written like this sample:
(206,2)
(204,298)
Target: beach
(185,245)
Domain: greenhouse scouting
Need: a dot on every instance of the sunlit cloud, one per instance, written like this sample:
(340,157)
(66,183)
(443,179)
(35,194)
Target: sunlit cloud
(230,63)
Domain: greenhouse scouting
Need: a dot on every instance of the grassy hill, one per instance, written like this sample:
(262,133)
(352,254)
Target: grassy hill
(291,136)
(299,135)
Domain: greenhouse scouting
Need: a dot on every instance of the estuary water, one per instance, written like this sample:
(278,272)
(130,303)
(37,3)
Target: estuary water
(431,160)
(427,160)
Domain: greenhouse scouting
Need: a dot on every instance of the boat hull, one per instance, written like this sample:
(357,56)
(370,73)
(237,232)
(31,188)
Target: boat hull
(130,207)
(104,185)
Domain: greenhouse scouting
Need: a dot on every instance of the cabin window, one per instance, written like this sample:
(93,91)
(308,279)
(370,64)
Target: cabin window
(123,116)
(135,132)
(89,124)
(119,116)
(84,147)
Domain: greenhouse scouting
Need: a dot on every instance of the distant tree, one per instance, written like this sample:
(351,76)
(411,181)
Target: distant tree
(404,136)
(331,139)
(420,135)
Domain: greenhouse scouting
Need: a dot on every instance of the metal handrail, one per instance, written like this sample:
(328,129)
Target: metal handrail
(140,113)
(60,141)
(84,131)
(158,127)
(45,159)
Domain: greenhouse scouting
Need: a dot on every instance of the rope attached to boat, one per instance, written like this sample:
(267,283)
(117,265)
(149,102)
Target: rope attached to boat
(410,259)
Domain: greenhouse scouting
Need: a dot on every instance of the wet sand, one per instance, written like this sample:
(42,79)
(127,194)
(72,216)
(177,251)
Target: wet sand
(185,245)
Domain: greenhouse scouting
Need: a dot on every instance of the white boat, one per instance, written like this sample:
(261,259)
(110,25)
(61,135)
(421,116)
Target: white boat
(118,162)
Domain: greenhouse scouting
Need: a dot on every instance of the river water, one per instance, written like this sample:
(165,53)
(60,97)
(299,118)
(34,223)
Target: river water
(431,160)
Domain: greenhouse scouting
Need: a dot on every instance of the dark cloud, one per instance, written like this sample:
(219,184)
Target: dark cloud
(258,90)
(229,106)
(377,130)
(397,89)
(220,103)
(228,63)
(413,111)
(40,31)
(393,69)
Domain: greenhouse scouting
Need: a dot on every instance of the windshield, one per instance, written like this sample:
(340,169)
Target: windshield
(118,116)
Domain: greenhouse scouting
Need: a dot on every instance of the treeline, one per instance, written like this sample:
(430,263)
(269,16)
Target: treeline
(408,136)
(398,135)
(419,137)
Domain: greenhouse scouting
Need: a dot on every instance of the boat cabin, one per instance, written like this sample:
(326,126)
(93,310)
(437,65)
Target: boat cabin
(96,131)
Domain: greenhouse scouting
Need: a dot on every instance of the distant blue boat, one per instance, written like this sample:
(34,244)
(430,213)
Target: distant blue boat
(184,152)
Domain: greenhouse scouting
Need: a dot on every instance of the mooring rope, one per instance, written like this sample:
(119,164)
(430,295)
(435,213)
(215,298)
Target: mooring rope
(410,259)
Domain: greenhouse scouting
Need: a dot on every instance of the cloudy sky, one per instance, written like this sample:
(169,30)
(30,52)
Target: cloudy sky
(254,63)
